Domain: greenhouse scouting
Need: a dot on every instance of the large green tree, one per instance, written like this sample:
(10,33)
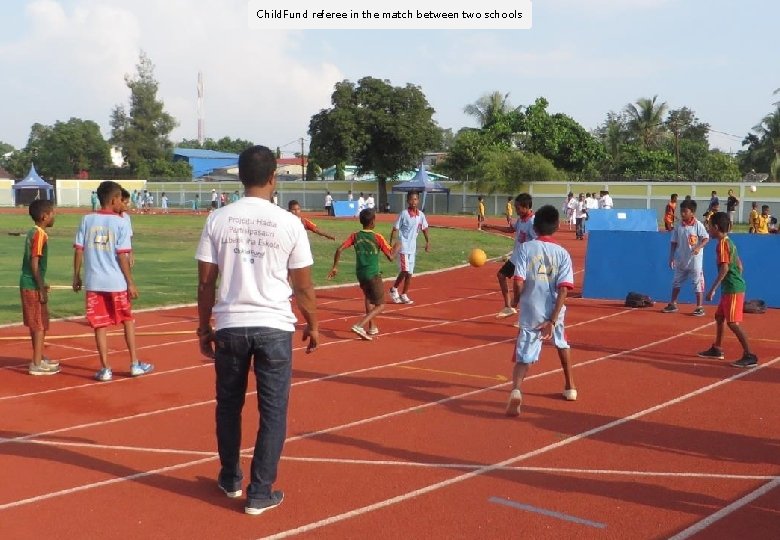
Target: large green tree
(142,130)
(509,170)
(766,147)
(381,128)
(62,150)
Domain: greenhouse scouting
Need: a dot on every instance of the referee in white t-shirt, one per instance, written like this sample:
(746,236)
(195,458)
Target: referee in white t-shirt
(253,245)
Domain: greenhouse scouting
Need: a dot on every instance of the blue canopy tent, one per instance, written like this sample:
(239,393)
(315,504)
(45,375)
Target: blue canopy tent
(422,182)
(32,187)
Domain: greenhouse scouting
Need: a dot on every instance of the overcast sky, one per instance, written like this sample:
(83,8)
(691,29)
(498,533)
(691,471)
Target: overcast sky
(67,58)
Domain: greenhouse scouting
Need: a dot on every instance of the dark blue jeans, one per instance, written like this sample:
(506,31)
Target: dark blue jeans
(272,353)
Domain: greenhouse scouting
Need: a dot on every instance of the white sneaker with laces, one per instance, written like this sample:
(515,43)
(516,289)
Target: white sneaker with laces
(506,312)
(406,300)
(395,296)
(514,403)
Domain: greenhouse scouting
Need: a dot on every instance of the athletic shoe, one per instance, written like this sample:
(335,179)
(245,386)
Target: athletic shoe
(141,368)
(698,312)
(233,492)
(670,308)
(406,300)
(104,374)
(570,394)
(359,330)
(712,352)
(514,403)
(256,507)
(747,361)
(506,312)
(52,363)
(43,369)
(373,331)
(395,296)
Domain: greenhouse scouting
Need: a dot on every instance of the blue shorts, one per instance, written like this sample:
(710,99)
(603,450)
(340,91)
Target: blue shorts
(529,345)
(694,274)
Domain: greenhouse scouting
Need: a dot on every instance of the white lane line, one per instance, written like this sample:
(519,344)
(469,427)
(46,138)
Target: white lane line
(727,510)
(489,468)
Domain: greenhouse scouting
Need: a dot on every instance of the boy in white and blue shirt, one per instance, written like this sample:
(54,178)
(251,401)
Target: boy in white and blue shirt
(408,225)
(103,246)
(543,276)
(686,256)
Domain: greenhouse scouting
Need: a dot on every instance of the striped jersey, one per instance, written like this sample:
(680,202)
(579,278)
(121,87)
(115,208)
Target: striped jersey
(544,266)
(726,253)
(36,244)
(367,244)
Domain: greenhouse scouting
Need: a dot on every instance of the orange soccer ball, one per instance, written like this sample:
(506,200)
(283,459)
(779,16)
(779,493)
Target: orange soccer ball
(477,257)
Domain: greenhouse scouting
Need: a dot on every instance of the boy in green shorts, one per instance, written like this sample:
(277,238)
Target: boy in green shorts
(367,244)
(732,292)
(33,288)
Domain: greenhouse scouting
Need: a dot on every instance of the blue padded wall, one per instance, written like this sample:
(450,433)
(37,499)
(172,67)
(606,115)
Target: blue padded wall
(621,261)
(622,219)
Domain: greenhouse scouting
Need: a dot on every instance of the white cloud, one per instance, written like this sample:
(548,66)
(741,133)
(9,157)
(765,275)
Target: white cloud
(72,59)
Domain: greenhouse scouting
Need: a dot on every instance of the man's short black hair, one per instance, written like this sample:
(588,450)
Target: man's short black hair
(410,193)
(292,203)
(721,221)
(367,216)
(107,190)
(690,204)
(525,200)
(256,166)
(546,220)
(126,194)
(40,207)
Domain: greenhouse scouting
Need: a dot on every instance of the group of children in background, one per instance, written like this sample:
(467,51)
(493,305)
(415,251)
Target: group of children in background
(541,272)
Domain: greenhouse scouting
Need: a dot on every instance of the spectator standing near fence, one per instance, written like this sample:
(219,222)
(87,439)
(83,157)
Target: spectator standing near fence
(670,213)
(731,206)
(328,203)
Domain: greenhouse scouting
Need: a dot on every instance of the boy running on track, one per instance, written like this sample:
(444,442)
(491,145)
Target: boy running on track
(367,245)
(523,229)
(543,277)
(408,225)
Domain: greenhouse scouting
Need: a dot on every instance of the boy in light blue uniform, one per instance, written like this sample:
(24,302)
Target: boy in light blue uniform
(686,256)
(103,246)
(543,276)
(408,225)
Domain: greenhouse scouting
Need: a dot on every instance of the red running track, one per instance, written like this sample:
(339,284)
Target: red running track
(405,436)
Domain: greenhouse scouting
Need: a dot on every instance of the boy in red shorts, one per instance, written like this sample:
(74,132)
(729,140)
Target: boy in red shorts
(103,246)
(368,244)
(33,288)
(732,293)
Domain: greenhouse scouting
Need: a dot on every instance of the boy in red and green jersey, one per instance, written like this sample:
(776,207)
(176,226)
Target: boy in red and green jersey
(368,244)
(33,288)
(732,288)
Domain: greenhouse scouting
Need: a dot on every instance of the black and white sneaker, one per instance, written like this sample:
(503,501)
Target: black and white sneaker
(713,352)
(255,507)
(747,361)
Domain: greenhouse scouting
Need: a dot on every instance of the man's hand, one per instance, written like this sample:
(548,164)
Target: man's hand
(313,336)
(76,283)
(44,294)
(333,272)
(710,295)
(545,329)
(206,341)
(132,291)
(671,264)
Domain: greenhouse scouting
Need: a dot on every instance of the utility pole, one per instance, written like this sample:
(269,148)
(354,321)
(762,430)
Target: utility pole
(303,163)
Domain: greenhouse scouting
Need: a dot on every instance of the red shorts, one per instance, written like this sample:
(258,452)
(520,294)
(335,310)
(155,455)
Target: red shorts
(34,314)
(730,307)
(107,308)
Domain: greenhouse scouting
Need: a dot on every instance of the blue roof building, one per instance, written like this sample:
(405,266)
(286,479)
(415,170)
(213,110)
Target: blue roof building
(204,162)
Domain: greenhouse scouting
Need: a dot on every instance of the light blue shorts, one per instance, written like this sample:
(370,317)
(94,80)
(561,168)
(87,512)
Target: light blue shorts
(694,274)
(529,345)
(406,262)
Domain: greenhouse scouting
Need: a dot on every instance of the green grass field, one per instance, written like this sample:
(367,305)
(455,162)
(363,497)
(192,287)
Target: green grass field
(166,271)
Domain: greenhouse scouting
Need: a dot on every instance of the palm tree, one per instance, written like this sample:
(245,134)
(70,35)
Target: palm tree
(645,120)
(490,108)
(769,132)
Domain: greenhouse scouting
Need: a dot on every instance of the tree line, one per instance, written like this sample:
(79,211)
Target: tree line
(385,129)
